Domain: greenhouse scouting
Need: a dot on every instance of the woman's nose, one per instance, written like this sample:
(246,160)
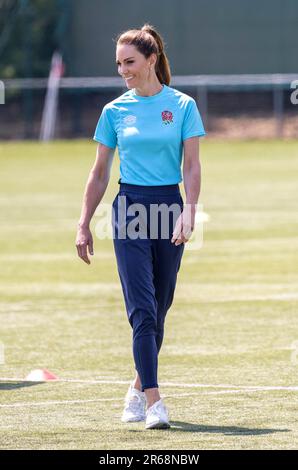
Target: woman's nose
(122,70)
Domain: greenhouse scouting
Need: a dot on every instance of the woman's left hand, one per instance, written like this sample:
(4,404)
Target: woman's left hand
(184,225)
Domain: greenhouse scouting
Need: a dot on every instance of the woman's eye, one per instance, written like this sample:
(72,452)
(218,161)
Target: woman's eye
(128,62)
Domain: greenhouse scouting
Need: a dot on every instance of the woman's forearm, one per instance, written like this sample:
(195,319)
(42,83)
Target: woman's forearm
(94,191)
(192,183)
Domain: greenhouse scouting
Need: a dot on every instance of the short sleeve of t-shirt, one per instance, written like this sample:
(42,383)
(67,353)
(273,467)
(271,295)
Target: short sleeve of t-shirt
(105,131)
(192,123)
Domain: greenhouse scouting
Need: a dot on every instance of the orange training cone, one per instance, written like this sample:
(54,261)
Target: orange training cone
(40,375)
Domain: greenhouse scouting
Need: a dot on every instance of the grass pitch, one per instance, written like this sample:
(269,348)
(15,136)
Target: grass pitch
(228,367)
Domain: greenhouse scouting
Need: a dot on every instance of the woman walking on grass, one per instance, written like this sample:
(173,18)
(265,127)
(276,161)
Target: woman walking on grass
(153,125)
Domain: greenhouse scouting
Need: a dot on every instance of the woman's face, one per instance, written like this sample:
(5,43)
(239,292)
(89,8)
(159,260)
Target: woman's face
(133,66)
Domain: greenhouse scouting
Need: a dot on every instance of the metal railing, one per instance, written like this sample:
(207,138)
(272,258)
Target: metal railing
(276,83)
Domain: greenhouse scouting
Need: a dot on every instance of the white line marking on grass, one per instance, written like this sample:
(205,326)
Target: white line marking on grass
(287,296)
(164,384)
(236,387)
(61,287)
(61,402)
(245,390)
(75,402)
(83,381)
(48,256)
(236,292)
(179,395)
(252,390)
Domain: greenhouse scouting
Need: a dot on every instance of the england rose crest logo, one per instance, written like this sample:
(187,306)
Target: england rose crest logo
(167,117)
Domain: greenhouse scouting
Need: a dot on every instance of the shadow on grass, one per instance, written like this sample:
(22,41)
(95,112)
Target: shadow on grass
(14,385)
(180,426)
(227,430)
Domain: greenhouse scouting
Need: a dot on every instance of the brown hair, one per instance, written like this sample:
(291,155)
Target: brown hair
(148,41)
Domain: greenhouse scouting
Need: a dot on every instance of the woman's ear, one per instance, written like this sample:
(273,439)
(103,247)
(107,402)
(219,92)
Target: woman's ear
(153,59)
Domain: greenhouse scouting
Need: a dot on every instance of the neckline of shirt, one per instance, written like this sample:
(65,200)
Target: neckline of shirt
(152,97)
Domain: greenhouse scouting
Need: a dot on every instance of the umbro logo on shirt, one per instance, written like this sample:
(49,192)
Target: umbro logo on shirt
(167,117)
(130,119)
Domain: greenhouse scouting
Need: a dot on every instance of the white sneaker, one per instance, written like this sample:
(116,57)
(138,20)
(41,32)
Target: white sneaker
(157,416)
(135,404)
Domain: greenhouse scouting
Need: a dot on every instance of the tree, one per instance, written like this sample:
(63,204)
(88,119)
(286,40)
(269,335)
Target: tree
(30,31)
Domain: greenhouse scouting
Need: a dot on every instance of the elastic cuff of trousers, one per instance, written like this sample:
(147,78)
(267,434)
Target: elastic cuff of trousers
(144,387)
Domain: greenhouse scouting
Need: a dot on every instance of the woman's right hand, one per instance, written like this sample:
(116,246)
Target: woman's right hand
(95,188)
(84,239)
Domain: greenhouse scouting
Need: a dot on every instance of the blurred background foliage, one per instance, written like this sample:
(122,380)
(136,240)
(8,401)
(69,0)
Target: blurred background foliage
(29,33)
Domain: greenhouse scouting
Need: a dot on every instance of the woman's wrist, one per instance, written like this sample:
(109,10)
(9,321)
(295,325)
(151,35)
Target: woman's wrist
(83,224)
(192,206)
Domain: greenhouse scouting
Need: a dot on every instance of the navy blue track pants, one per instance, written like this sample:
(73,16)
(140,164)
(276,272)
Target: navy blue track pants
(147,268)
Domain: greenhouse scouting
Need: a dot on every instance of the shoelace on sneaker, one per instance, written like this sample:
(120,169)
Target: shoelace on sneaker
(133,403)
(157,408)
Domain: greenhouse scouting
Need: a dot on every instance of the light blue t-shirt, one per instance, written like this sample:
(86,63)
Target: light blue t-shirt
(149,132)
